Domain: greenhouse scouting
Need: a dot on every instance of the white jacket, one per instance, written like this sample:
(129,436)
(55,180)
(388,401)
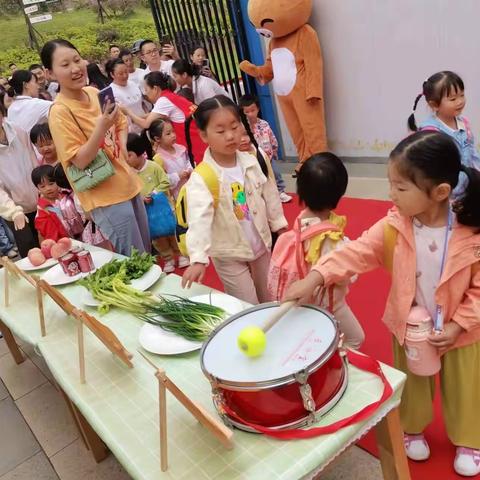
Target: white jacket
(17,160)
(217,232)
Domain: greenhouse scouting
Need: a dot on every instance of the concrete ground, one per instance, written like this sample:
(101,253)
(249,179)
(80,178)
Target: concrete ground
(38,439)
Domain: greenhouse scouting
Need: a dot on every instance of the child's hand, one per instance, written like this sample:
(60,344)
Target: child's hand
(185,175)
(194,273)
(20,222)
(303,290)
(447,338)
(147,200)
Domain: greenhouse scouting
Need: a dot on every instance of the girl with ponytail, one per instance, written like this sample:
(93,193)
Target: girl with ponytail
(232,227)
(445,94)
(432,248)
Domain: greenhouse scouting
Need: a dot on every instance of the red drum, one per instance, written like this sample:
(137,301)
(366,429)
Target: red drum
(300,376)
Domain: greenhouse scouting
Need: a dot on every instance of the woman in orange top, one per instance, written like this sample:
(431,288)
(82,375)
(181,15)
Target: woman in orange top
(435,265)
(79,129)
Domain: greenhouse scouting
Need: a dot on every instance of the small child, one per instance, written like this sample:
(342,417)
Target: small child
(321,183)
(265,138)
(49,220)
(171,156)
(41,137)
(155,180)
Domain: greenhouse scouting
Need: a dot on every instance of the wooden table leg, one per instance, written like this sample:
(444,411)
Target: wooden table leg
(90,438)
(11,344)
(393,458)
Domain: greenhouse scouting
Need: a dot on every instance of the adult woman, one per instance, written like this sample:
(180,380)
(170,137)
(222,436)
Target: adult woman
(198,56)
(27,109)
(186,75)
(18,196)
(167,104)
(79,129)
(135,75)
(125,91)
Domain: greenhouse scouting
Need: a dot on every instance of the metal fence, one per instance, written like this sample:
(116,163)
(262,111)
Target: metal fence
(215,25)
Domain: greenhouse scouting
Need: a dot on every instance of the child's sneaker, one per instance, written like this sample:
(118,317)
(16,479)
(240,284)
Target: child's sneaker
(285,197)
(467,462)
(169,266)
(183,262)
(416,447)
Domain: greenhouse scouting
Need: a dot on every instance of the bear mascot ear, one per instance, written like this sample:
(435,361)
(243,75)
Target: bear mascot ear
(295,66)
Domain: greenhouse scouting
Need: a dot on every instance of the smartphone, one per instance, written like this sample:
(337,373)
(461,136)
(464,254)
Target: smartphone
(104,96)
(206,63)
(165,40)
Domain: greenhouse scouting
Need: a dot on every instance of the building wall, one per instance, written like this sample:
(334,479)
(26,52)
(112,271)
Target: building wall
(377,53)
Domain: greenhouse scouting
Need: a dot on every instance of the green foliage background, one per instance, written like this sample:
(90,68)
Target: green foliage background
(80,27)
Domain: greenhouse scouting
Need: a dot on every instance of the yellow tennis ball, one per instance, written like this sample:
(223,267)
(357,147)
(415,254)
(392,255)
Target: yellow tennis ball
(252,341)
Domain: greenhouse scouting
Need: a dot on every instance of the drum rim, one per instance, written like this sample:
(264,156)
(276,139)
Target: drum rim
(277,382)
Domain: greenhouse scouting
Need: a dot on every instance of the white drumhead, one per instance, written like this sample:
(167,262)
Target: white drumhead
(297,341)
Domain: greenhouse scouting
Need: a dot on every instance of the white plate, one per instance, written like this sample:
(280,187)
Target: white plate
(142,284)
(156,340)
(25,264)
(56,275)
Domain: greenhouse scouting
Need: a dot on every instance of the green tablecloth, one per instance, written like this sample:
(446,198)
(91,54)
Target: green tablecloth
(121,404)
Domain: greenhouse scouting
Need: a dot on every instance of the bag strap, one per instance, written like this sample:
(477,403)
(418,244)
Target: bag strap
(74,118)
(390,235)
(362,362)
(317,229)
(210,178)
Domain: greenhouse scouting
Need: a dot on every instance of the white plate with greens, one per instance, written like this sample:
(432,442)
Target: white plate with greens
(56,276)
(155,339)
(142,284)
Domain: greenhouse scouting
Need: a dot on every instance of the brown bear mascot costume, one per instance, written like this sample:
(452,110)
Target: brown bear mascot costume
(295,67)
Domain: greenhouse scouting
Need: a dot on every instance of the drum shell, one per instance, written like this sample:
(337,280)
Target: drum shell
(279,404)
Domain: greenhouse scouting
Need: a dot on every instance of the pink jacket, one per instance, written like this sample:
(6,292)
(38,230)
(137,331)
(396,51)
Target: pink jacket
(458,291)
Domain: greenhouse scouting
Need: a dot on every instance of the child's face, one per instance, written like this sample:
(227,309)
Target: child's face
(451,105)
(48,189)
(198,56)
(47,150)
(245,142)
(135,161)
(169,137)
(223,132)
(251,112)
(408,197)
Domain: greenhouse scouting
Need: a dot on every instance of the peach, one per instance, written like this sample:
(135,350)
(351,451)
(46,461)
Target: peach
(36,257)
(67,242)
(59,250)
(46,247)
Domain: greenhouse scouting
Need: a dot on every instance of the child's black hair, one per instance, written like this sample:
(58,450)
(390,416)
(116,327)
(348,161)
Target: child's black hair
(430,158)
(247,100)
(202,118)
(436,87)
(42,172)
(155,130)
(322,182)
(40,131)
(60,177)
(136,144)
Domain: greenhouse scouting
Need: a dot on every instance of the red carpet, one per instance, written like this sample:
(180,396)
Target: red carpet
(367,299)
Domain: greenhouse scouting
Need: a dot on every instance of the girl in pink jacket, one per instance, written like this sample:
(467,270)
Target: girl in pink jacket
(435,264)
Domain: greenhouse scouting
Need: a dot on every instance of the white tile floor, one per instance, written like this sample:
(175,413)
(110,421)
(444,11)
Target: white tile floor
(39,441)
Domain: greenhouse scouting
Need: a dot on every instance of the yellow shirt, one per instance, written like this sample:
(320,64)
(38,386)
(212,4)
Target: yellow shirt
(68,139)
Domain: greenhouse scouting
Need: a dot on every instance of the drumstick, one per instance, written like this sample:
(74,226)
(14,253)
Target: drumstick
(279,313)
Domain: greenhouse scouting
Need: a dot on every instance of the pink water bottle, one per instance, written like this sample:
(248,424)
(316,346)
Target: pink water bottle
(422,358)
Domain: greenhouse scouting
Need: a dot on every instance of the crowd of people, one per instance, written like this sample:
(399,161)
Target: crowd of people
(172,143)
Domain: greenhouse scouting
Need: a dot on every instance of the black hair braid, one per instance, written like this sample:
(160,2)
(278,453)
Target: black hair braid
(188,137)
(466,207)
(412,125)
(261,159)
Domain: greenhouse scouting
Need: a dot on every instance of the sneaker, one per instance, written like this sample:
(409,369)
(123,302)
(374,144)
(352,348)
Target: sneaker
(183,262)
(285,197)
(169,266)
(467,462)
(416,447)
(12,253)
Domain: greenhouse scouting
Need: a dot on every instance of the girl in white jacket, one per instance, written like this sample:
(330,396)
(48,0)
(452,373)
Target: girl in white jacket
(235,233)
(18,196)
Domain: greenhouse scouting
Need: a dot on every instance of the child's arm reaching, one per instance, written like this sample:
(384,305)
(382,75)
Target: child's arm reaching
(359,256)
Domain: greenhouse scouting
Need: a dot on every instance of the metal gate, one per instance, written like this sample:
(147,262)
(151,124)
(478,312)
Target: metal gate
(217,26)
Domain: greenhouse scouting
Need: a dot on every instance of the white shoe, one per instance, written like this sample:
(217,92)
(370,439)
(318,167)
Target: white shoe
(416,447)
(467,462)
(183,262)
(285,197)
(169,266)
